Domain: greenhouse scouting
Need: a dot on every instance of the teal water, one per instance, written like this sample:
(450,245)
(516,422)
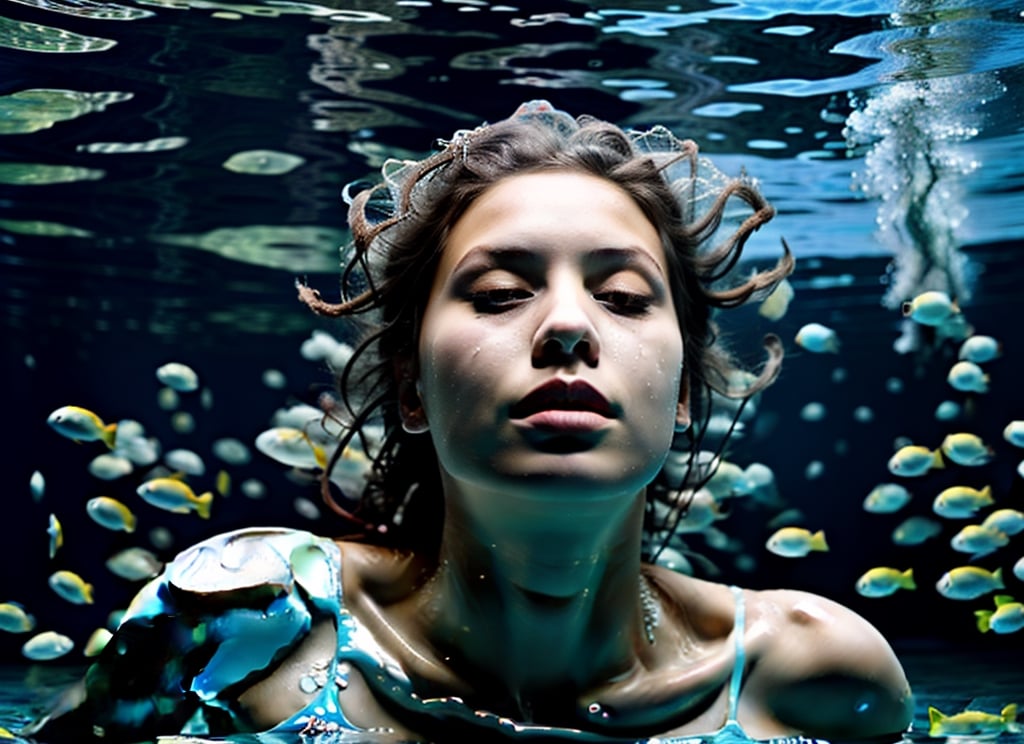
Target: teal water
(887,133)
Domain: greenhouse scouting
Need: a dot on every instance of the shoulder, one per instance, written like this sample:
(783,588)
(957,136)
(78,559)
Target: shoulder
(823,668)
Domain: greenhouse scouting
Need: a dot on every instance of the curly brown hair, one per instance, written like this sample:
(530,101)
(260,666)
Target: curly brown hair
(400,227)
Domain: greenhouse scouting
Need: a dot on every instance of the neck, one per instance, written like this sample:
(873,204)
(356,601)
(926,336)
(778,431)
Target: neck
(535,610)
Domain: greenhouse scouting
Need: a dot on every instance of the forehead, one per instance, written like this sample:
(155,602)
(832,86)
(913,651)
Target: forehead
(552,210)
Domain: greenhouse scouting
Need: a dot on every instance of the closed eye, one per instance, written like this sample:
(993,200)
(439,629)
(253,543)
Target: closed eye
(624,303)
(498,300)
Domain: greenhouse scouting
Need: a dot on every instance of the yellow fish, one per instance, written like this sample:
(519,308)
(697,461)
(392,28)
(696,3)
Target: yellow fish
(71,586)
(796,542)
(291,446)
(97,642)
(966,449)
(913,460)
(110,513)
(14,619)
(56,533)
(1008,616)
(969,582)
(82,425)
(175,496)
(962,502)
(883,581)
(932,308)
(972,722)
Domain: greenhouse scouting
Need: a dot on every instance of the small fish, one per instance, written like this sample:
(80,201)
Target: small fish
(14,618)
(37,485)
(1008,616)
(932,308)
(110,513)
(915,530)
(110,466)
(71,586)
(134,564)
(82,425)
(966,449)
(947,410)
(972,722)
(232,451)
(886,498)
(913,460)
(980,349)
(185,460)
(882,581)
(98,640)
(223,483)
(818,338)
(969,582)
(178,377)
(1014,433)
(56,533)
(1008,521)
(968,377)
(962,502)
(46,646)
(978,540)
(774,306)
(796,542)
(175,496)
(292,447)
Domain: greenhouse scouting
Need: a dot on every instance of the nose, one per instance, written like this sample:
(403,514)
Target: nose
(566,334)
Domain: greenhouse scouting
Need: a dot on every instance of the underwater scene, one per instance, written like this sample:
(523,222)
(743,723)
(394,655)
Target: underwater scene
(169,169)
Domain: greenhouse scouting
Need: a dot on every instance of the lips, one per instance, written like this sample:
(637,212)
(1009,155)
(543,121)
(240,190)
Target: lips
(560,395)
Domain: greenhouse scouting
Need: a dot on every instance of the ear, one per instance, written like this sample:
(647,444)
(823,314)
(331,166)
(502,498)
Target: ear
(683,405)
(410,405)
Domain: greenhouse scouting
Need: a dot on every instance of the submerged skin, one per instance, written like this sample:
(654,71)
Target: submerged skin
(531,610)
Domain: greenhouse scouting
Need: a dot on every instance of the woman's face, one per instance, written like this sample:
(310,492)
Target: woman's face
(550,354)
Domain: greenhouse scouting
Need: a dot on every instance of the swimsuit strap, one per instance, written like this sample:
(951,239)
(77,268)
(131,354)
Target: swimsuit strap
(738,666)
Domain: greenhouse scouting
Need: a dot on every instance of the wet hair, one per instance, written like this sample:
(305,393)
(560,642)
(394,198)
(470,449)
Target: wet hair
(400,228)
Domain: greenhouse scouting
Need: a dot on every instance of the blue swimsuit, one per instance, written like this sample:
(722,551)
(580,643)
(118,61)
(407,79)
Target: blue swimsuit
(231,607)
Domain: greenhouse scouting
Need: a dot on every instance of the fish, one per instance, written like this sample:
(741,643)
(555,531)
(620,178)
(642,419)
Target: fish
(980,349)
(796,542)
(47,646)
(110,466)
(14,618)
(293,447)
(110,513)
(37,485)
(962,502)
(931,308)
(178,377)
(97,642)
(232,451)
(818,338)
(882,581)
(1007,617)
(913,460)
(175,496)
(969,582)
(1009,521)
(134,564)
(947,410)
(223,483)
(1013,433)
(72,587)
(978,540)
(972,722)
(56,533)
(185,460)
(82,425)
(915,530)
(774,306)
(967,449)
(886,498)
(968,377)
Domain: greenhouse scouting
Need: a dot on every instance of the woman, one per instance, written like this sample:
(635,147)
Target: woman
(539,298)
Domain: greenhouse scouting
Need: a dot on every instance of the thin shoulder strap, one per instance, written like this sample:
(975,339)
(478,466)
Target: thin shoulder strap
(739,626)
